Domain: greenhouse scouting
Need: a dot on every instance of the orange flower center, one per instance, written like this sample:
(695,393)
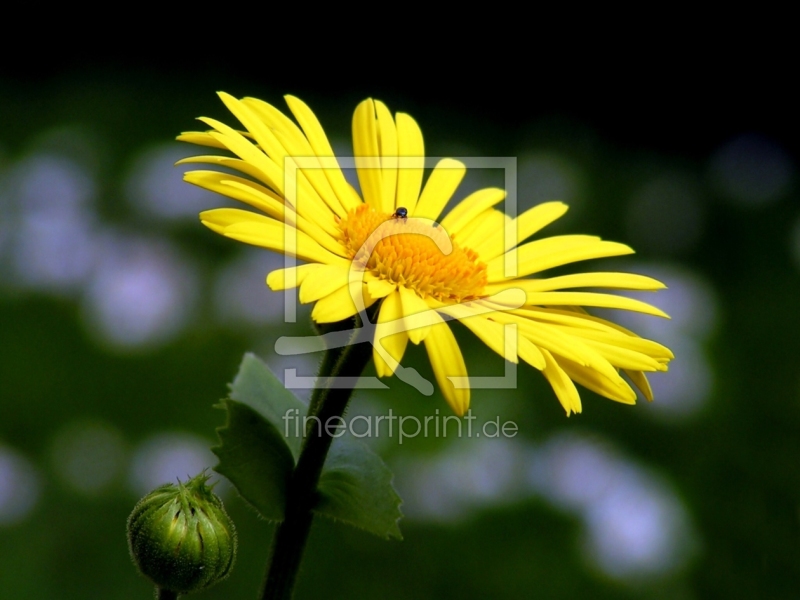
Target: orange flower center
(416,253)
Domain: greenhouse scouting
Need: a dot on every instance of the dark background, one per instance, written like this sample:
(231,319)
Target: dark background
(693,164)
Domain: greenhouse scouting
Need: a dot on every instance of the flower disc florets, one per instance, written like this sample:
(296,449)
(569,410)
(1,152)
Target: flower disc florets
(416,253)
(181,538)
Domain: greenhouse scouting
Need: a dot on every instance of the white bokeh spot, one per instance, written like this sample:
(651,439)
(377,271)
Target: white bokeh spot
(20,486)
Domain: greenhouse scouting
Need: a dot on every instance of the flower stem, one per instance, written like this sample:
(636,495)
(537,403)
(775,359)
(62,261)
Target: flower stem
(326,402)
(162,594)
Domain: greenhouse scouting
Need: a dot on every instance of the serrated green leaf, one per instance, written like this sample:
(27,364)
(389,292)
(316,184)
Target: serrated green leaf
(257,387)
(356,487)
(254,456)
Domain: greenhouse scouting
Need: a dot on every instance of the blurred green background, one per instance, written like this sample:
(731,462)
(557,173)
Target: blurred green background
(122,320)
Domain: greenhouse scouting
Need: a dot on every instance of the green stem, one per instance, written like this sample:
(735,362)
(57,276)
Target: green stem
(292,533)
(330,358)
(162,594)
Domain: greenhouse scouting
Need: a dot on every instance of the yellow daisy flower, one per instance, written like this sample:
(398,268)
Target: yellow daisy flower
(390,245)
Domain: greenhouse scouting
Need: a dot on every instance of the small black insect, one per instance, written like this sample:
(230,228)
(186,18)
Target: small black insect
(400,213)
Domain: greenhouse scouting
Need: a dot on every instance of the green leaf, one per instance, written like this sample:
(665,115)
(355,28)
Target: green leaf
(257,387)
(254,456)
(260,445)
(356,487)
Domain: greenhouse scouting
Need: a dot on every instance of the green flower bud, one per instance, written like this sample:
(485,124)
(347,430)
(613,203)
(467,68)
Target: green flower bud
(181,538)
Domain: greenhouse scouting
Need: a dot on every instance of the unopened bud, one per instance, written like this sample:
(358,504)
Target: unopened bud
(181,538)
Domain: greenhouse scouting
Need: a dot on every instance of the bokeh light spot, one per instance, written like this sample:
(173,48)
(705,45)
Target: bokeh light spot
(689,300)
(89,456)
(142,292)
(686,388)
(639,529)
(635,526)
(155,185)
(469,474)
(46,183)
(572,472)
(666,216)
(752,170)
(19,486)
(543,177)
(53,241)
(241,295)
(168,457)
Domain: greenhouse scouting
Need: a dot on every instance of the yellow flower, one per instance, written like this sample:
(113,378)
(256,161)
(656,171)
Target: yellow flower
(386,245)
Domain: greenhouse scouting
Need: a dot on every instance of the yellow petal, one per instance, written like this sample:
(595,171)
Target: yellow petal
(513,232)
(323,282)
(294,143)
(614,388)
(537,218)
(562,316)
(378,288)
(622,357)
(470,207)
(394,344)
(265,200)
(530,353)
(305,199)
(222,218)
(491,333)
(271,160)
(439,188)
(310,227)
(621,281)
(494,335)
(367,154)
(201,138)
(322,148)
(266,169)
(562,385)
(411,149)
(594,299)
(243,190)
(631,342)
(583,314)
(488,239)
(291,277)
(263,135)
(417,314)
(639,379)
(387,141)
(259,230)
(548,253)
(480,232)
(228,162)
(447,361)
(546,337)
(341,304)
(566,342)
